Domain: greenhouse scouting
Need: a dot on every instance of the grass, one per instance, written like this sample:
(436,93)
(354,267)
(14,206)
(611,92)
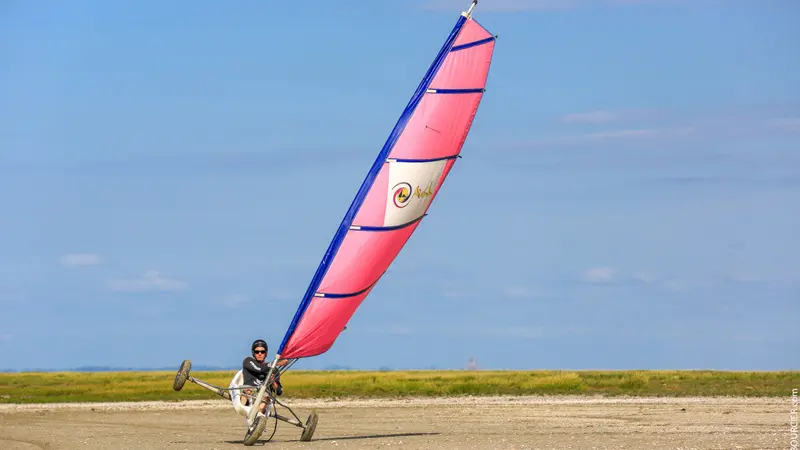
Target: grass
(139,386)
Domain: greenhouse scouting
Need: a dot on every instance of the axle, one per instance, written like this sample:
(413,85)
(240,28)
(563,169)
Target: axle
(219,391)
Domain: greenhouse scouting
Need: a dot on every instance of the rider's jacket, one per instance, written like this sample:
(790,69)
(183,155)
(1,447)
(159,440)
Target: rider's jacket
(255,372)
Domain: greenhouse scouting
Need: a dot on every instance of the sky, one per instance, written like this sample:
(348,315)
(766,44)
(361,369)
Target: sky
(628,197)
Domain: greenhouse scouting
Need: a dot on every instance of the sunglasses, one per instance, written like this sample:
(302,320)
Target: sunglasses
(260,351)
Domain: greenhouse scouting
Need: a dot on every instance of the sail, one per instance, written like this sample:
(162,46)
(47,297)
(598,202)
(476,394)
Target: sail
(398,190)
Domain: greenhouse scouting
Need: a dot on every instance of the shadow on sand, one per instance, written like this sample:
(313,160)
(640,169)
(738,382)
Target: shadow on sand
(372,436)
(347,438)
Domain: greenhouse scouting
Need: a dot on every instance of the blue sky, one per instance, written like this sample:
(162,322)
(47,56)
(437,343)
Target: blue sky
(171,174)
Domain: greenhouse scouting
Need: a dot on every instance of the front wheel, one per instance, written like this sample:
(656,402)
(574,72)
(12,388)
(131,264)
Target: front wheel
(182,375)
(311,425)
(254,432)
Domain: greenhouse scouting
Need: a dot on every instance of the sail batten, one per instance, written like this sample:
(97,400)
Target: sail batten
(456,91)
(422,160)
(473,44)
(397,192)
(375,229)
(346,295)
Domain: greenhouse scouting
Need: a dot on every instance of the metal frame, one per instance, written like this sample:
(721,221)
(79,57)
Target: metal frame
(225,393)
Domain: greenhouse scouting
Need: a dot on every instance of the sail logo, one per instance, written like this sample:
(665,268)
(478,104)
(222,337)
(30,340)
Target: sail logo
(403,193)
(419,193)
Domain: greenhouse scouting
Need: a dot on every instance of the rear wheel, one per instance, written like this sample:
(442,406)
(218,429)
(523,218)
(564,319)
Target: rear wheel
(311,425)
(254,432)
(182,375)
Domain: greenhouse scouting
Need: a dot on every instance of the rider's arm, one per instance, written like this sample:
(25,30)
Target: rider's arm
(276,383)
(249,364)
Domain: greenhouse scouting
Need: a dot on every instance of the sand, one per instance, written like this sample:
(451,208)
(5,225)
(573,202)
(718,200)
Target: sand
(551,422)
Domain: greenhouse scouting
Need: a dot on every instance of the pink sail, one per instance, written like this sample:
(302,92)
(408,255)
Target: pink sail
(398,190)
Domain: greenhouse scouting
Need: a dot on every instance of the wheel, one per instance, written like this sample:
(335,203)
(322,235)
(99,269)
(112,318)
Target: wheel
(311,425)
(182,375)
(254,432)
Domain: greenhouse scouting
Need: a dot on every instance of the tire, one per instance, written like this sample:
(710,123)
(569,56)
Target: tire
(182,375)
(254,432)
(311,425)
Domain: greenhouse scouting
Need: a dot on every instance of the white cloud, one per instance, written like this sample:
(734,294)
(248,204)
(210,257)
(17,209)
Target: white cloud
(522,292)
(80,259)
(591,117)
(620,136)
(639,134)
(611,275)
(234,301)
(272,297)
(152,280)
(786,123)
(646,126)
(644,277)
(600,275)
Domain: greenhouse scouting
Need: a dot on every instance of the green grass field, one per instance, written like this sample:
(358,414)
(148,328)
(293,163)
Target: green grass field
(138,386)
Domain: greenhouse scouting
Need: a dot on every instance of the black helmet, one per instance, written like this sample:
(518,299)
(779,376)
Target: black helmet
(258,343)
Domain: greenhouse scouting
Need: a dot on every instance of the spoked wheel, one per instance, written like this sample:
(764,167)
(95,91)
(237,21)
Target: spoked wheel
(254,432)
(182,375)
(311,425)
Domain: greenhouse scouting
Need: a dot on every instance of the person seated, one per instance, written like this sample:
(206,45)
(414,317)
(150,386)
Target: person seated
(255,369)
